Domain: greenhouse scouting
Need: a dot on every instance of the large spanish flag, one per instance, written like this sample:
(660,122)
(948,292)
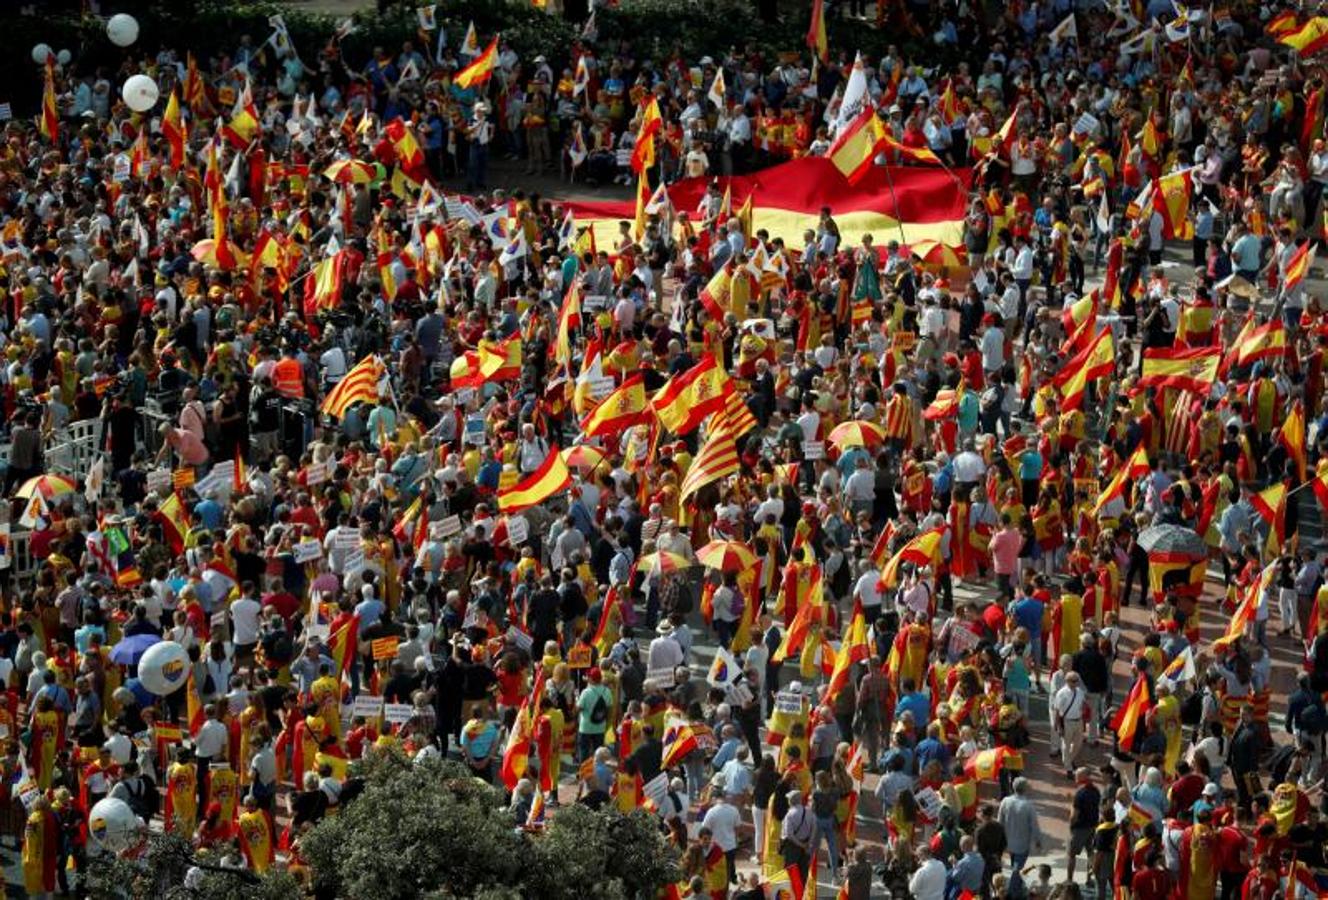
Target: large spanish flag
(1135,467)
(1187,369)
(1131,713)
(1094,361)
(621,410)
(481,69)
(926,203)
(550,478)
(687,399)
(1307,39)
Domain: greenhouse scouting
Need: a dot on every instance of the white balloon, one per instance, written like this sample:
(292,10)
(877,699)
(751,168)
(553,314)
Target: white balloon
(122,29)
(164,668)
(120,747)
(140,93)
(64,57)
(40,52)
(112,825)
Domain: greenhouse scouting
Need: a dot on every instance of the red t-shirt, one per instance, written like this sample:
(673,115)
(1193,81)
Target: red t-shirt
(285,603)
(1231,844)
(1151,884)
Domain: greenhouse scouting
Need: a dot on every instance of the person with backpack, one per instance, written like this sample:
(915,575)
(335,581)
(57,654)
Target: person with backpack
(594,708)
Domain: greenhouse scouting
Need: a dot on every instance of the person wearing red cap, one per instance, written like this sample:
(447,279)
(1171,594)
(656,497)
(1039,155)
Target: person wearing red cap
(594,712)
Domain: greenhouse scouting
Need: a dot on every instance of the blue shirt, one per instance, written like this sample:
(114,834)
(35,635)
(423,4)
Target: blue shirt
(209,514)
(917,703)
(1245,252)
(1027,613)
(369,611)
(931,750)
(1030,466)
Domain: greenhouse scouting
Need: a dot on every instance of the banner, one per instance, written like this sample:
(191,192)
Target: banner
(928,203)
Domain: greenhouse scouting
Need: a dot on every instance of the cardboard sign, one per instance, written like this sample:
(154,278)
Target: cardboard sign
(519,637)
(384,648)
(318,473)
(518,530)
(367,705)
(159,480)
(962,640)
(307,551)
(579,657)
(397,713)
(929,802)
(813,449)
(788,702)
(594,301)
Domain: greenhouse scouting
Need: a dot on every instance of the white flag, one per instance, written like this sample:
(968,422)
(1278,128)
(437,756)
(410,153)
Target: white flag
(96,478)
(35,510)
(425,15)
(718,92)
(1180,670)
(1065,30)
(1104,215)
(724,670)
(470,46)
(515,249)
(855,96)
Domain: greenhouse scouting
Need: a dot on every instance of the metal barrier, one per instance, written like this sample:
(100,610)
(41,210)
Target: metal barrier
(20,549)
(74,455)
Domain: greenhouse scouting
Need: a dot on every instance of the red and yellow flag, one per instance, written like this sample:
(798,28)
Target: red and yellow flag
(1131,714)
(480,69)
(1292,437)
(985,765)
(550,478)
(1270,504)
(854,649)
(359,385)
(172,128)
(1265,341)
(49,124)
(174,522)
(643,151)
(1171,198)
(1186,369)
(341,644)
(857,145)
(685,401)
(1094,361)
(1299,265)
(717,459)
(816,39)
(1307,39)
(1135,467)
(622,409)
(923,550)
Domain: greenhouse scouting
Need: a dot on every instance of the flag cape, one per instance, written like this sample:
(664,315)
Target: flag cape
(1187,369)
(929,204)
(550,478)
(679,740)
(985,765)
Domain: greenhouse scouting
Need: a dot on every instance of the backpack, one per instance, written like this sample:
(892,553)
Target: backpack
(1191,709)
(599,712)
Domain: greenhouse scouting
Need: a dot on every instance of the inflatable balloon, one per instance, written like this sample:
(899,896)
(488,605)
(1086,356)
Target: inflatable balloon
(120,748)
(64,57)
(164,668)
(122,29)
(112,825)
(40,52)
(140,93)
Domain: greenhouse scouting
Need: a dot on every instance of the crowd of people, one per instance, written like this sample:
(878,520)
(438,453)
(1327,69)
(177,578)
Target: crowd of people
(820,569)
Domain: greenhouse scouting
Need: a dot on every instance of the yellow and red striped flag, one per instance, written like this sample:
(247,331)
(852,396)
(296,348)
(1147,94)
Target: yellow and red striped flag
(856,147)
(551,477)
(49,124)
(1184,368)
(1131,714)
(1298,266)
(1094,361)
(1136,466)
(985,765)
(481,69)
(624,408)
(816,39)
(1307,39)
(1292,437)
(717,459)
(360,385)
(643,151)
(172,128)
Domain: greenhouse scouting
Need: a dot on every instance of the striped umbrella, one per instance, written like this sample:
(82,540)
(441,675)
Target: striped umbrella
(727,556)
(665,563)
(350,171)
(857,433)
(49,486)
(583,455)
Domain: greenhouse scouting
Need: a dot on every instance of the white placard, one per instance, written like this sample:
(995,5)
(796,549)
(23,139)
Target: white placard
(1086,124)
(919,601)
(594,302)
(656,790)
(929,802)
(813,449)
(354,561)
(220,479)
(601,387)
(158,479)
(665,675)
(962,640)
(6,112)
(397,713)
(318,473)
(518,530)
(475,430)
(788,702)
(367,705)
(519,637)
(449,526)
(122,168)
(347,540)
(739,694)
(307,551)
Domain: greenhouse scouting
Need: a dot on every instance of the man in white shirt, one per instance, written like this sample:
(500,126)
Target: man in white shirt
(928,881)
(867,593)
(246,613)
(1068,707)
(664,652)
(532,450)
(209,745)
(721,821)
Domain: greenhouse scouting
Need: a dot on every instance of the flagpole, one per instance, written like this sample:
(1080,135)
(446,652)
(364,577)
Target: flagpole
(899,222)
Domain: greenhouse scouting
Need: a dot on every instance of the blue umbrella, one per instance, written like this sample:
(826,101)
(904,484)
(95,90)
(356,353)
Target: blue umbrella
(129,651)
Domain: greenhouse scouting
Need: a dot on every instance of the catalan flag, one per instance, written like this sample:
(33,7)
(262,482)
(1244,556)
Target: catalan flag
(733,418)
(360,385)
(550,478)
(685,401)
(717,459)
(1097,359)
(480,69)
(1184,368)
(1131,713)
(856,147)
(623,409)
(195,92)
(1307,39)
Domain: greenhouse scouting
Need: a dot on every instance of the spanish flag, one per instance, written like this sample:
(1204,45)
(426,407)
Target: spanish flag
(685,401)
(1135,467)
(1079,320)
(501,361)
(480,70)
(1299,265)
(1094,361)
(857,145)
(341,644)
(244,124)
(1131,713)
(322,286)
(1321,483)
(172,127)
(1186,369)
(195,92)
(174,522)
(569,317)
(1270,504)
(550,478)
(715,295)
(717,459)
(1265,341)
(360,385)
(643,151)
(621,410)
(854,649)
(985,765)
(816,39)
(1292,437)
(1282,23)
(49,124)
(1307,39)
(923,550)
(1171,198)
(808,612)
(410,156)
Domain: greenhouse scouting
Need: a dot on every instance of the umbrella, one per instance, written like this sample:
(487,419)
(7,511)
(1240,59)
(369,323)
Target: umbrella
(938,255)
(350,171)
(665,563)
(583,455)
(857,433)
(727,556)
(50,486)
(129,651)
(1173,540)
(224,254)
